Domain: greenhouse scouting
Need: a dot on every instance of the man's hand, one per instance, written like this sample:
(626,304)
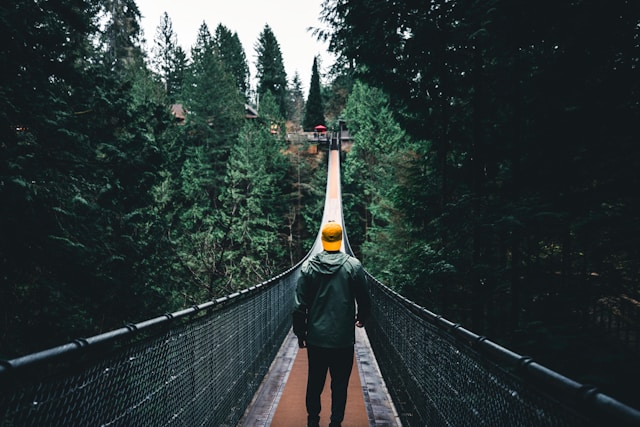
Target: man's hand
(302,342)
(359,324)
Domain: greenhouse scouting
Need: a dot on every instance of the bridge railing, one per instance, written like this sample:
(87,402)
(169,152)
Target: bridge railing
(199,366)
(440,374)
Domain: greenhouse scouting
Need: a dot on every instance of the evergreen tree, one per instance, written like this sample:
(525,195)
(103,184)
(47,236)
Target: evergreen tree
(177,77)
(32,159)
(78,165)
(216,114)
(122,32)
(146,88)
(213,98)
(232,55)
(296,102)
(169,59)
(368,166)
(270,69)
(314,109)
(199,234)
(337,94)
(164,45)
(253,204)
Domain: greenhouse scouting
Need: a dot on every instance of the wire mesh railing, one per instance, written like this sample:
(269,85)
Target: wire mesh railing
(196,367)
(440,374)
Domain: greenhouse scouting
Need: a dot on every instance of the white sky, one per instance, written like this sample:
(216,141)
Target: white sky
(288,19)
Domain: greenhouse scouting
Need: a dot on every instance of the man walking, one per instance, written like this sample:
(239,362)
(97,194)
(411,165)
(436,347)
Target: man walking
(330,284)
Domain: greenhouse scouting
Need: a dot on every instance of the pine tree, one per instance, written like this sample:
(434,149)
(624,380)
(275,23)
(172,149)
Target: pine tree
(254,201)
(177,77)
(296,102)
(270,69)
(314,111)
(232,55)
(202,157)
(169,59)
(368,167)
(122,32)
(212,97)
(164,45)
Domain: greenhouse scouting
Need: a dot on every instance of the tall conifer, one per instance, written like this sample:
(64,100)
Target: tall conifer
(169,59)
(314,111)
(296,101)
(233,57)
(270,69)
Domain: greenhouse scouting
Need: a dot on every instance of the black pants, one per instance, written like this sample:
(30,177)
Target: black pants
(338,361)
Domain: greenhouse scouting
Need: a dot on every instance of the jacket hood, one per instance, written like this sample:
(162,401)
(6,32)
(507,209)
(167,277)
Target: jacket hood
(327,262)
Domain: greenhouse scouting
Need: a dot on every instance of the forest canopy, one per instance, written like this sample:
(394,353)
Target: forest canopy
(510,205)
(136,182)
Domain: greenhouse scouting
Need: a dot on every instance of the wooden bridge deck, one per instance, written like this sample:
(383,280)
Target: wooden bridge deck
(280,400)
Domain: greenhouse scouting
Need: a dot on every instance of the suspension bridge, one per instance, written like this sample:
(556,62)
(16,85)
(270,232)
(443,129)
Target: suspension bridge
(234,362)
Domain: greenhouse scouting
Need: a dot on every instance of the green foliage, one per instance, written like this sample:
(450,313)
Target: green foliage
(523,127)
(79,169)
(376,137)
(110,212)
(335,96)
(314,110)
(271,74)
(296,102)
(507,122)
(169,60)
(121,34)
(211,95)
(254,207)
(232,55)
(216,108)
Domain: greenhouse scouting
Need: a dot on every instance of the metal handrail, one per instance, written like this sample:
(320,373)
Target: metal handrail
(585,398)
(78,346)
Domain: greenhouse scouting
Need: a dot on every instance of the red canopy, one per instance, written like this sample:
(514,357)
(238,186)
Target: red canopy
(320,128)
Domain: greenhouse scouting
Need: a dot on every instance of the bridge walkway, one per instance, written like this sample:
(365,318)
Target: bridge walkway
(279,401)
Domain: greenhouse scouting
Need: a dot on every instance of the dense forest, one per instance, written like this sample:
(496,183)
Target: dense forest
(134,177)
(496,163)
(492,179)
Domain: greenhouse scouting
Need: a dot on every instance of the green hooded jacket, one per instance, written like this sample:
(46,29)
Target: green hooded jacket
(329,286)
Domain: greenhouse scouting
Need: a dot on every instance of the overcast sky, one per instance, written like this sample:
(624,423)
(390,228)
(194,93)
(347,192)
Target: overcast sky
(288,19)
